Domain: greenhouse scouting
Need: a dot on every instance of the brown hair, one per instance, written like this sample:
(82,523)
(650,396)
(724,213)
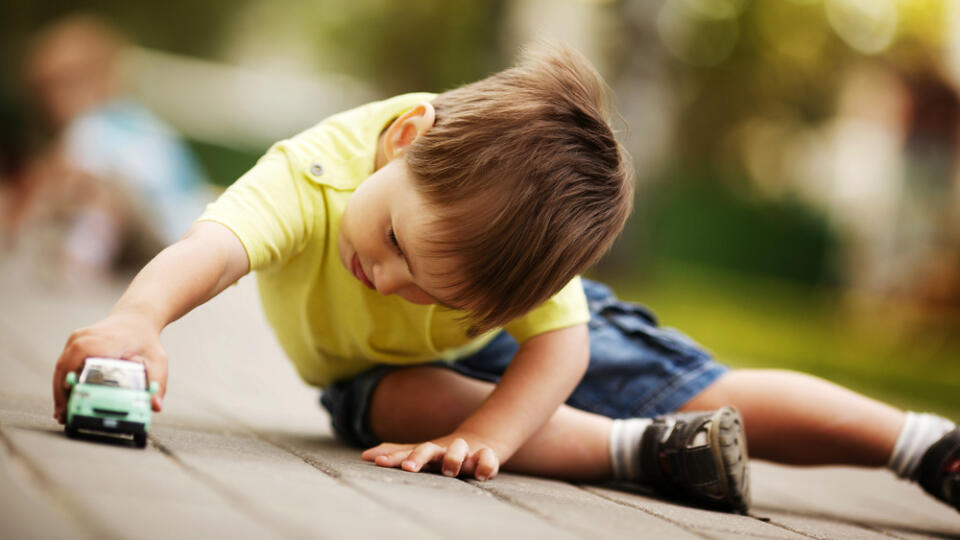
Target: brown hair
(530,185)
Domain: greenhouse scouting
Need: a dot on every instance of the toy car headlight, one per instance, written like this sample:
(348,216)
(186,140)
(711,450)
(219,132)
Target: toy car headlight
(143,402)
(83,394)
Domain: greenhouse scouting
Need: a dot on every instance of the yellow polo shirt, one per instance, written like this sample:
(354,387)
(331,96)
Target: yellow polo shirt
(286,211)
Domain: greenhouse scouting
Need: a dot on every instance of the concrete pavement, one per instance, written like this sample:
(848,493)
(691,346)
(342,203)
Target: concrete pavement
(243,450)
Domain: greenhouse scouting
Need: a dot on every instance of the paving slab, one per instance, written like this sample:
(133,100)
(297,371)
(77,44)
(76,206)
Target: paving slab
(580,510)
(283,490)
(824,528)
(136,493)
(29,506)
(243,449)
(450,506)
(873,499)
(707,523)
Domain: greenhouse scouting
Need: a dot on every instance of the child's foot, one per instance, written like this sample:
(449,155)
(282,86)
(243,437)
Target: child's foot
(940,469)
(700,457)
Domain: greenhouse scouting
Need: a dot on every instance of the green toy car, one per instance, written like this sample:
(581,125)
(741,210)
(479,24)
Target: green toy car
(111,396)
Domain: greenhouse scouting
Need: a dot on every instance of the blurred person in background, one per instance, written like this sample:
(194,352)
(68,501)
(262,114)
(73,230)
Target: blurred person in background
(118,181)
(13,183)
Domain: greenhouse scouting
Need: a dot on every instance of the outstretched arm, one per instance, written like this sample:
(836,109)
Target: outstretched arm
(544,372)
(186,274)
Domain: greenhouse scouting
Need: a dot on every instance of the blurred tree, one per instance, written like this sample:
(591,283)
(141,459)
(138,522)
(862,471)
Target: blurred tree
(180,26)
(395,47)
(428,45)
(786,56)
(703,221)
(733,64)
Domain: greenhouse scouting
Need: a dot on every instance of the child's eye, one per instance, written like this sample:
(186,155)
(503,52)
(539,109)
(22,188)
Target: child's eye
(393,240)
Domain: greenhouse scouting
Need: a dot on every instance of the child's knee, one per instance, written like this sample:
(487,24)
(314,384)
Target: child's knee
(423,402)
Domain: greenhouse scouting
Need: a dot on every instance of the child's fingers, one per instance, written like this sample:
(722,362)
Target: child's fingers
(371,454)
(381,449)
(487,464)
(454,457)
(71,359)
(156,372)
(421,455)
(469,465)
(393,459)
(59,392)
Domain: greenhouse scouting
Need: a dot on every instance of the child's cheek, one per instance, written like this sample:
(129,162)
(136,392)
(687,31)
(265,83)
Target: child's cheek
(417,296)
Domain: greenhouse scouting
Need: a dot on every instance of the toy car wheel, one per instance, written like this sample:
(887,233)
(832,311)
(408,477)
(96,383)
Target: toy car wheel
(140,439)
(70,430)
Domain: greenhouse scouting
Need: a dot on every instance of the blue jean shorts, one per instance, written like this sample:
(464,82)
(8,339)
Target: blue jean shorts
(637,369)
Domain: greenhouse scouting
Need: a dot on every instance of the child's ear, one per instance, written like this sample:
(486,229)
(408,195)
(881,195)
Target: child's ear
(406,128)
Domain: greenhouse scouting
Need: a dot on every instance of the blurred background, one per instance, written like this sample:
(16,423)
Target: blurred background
(798,201)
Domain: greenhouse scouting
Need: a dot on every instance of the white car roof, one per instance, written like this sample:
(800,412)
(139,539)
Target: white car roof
(113,362)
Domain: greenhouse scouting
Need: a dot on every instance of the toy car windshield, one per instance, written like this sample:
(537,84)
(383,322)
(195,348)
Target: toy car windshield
(116,373)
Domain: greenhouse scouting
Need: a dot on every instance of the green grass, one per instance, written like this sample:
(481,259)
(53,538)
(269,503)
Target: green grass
(881,349)
(223,165)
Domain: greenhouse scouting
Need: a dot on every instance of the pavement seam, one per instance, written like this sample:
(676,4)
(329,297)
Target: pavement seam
(56,495)
(241,504)
(332,472)
(317,464)
(699,533)
(791,529)
(492,490)
(814,515)
(642,509)
(488,490)
(324,468)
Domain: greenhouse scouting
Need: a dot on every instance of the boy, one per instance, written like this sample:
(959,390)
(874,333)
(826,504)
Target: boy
(418,260)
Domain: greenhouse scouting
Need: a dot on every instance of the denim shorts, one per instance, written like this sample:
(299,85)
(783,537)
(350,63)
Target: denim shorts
(637,369)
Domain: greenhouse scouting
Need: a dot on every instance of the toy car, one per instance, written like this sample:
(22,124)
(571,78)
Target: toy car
(111,396)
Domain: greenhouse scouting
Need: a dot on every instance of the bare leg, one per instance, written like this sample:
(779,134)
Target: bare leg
(422,403)
(789,418)
(799,419)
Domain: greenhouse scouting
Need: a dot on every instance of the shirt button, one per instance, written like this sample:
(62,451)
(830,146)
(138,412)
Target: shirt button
(316,169)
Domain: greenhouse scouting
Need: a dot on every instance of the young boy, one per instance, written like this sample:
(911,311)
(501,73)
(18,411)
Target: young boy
(418,259)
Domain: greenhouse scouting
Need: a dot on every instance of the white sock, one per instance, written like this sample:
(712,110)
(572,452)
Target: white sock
(919,432)
(625,437)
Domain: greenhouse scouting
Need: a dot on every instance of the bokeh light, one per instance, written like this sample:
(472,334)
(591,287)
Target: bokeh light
(868,26)
(699,32)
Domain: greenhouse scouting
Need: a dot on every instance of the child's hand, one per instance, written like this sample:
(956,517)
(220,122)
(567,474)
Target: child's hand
(452,455)
(118,336)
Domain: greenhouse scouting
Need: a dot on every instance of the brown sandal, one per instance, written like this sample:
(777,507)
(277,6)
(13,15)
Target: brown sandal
(700,457)
(939,473)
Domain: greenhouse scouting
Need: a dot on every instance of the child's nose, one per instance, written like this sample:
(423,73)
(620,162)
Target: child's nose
(388,280)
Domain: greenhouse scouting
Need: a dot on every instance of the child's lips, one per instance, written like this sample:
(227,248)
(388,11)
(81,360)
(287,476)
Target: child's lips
(358,272)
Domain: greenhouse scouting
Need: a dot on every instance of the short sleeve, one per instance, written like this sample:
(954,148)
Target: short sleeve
(566,308)
(271,209)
